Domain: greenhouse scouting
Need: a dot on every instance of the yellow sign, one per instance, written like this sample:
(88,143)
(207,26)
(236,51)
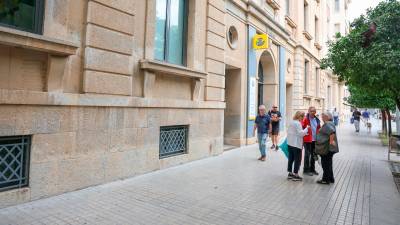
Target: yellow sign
(260,41)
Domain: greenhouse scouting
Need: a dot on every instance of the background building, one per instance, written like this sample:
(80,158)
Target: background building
(93,91)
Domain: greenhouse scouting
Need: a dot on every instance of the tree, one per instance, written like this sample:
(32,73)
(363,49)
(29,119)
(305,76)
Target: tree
(368,58)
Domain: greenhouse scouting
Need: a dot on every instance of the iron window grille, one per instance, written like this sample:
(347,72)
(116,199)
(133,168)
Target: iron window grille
(173,140)
(25,15)
(14,162)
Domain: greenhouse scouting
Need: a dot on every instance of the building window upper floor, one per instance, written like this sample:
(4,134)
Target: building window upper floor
(26,15)
(171,31)
(306,16)
(337,5)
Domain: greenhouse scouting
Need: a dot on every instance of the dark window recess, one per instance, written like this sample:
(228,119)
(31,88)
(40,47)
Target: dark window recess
(14,162)
(26,15)
(173,140)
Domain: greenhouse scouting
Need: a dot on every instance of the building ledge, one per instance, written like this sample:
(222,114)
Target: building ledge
(307,96)
(307,35)
(22,39)
(167,68)
(274,4)
(24,97)
(290,22)
(317,45)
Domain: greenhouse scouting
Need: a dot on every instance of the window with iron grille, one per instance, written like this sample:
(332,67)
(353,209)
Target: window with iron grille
(173,140)
(14,162)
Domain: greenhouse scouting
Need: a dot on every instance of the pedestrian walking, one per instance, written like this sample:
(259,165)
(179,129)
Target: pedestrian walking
(365,117)
(263,127)
(313,124)
(295,134)
(356,119)
(326,147)
(335,114)
(275,116)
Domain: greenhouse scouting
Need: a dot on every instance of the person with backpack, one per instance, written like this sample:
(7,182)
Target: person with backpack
(275,116)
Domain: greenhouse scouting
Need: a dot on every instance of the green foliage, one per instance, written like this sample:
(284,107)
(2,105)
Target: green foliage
(362,98)
(375,69)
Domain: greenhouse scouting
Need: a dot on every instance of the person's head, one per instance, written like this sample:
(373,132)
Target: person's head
(261,110)
(327,116)
(274,108)
(312,111)
(299,115)
(334,109)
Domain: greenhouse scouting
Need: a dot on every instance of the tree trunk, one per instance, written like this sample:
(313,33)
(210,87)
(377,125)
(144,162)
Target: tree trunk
(389,121)
(384,127)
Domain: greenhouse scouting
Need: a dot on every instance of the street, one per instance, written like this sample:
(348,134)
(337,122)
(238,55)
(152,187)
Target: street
(235,188)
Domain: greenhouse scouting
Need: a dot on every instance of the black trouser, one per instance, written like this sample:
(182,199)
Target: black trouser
(309,163)
(294,157)
(326,162)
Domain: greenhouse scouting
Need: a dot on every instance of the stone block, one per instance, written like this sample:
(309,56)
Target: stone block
(215,67)
(216,13)
(80,173)
(216,27)
(215,80)
(93,118)
(105,61)
(215,53)
(117,117)
(14,197)
(37,120)
(141,118)
(218,4)
(215,40)
(123,5)
(69,119)
(53,147)
(90,142)
(103,38)
(44,178)
(55,73)
(110,18)
(215,94)
(123,140)
(7,120)
(107,83)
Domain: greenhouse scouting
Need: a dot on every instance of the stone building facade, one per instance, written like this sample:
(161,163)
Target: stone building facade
(93,91)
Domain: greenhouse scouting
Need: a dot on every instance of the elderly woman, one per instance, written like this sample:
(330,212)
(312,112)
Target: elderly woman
(295,134)
(326,147)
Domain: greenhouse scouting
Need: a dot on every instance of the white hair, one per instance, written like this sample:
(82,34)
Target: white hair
(261,107)
(329,115)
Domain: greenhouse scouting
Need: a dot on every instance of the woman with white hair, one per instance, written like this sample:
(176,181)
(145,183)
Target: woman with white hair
(326,146)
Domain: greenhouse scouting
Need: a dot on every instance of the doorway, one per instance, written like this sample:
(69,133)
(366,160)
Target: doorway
(232,112)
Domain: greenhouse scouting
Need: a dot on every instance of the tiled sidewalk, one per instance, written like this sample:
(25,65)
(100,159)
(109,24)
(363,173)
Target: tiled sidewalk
(234,188)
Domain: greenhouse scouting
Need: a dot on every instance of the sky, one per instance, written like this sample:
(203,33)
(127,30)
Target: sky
(358,7)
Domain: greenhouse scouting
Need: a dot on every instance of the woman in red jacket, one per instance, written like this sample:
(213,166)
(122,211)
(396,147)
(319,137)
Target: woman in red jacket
(309,141)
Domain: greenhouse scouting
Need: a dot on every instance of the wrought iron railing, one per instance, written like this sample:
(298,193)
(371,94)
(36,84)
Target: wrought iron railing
(173,140)
(14,162)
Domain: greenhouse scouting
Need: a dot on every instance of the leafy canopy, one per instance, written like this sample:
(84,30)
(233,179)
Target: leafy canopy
(374,70)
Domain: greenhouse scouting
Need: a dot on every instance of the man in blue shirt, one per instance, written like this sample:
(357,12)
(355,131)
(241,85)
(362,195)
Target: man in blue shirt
(263,127)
